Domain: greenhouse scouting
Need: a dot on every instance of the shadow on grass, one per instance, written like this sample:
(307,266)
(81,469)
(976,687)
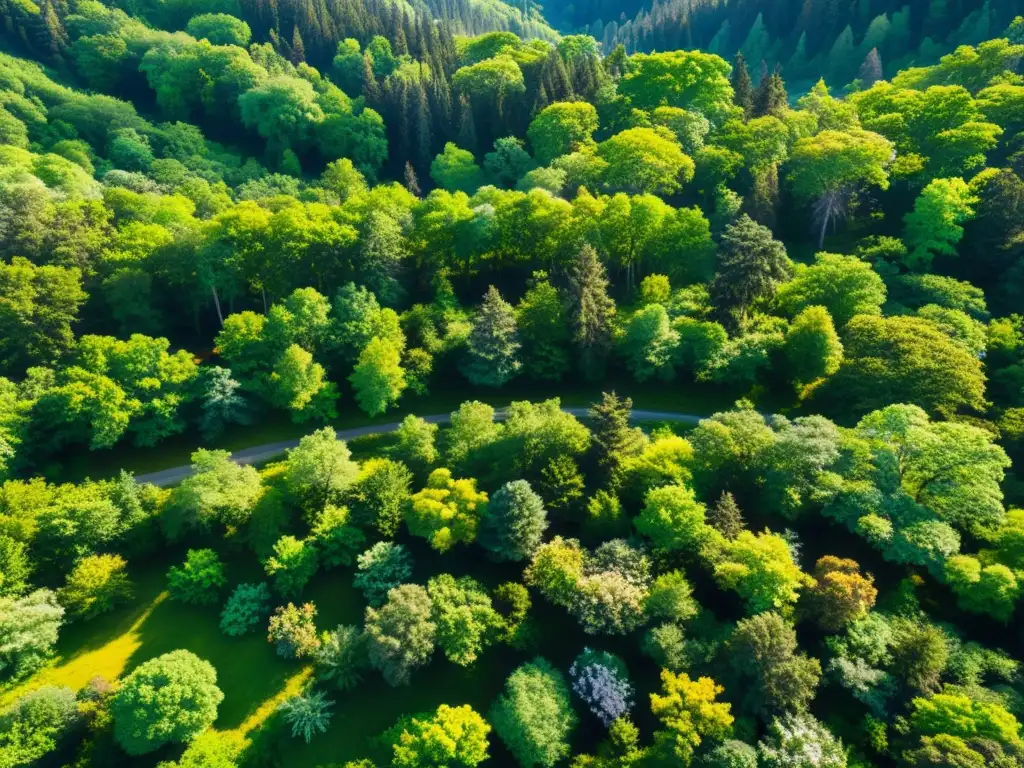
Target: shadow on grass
(248,671)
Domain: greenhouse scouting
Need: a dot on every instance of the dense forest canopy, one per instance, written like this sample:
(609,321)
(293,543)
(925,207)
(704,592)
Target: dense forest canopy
(792,232)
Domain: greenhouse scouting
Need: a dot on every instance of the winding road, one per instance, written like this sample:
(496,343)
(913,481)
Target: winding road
(260,453)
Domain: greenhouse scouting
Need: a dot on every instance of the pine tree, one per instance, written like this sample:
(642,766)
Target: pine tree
(424,139)
(467,126)
(298,48)
(371,90)
(871,70)
(613,439)
(412,184)
(591,311)
(743,89)
(514,524)
(771,97)
(726,516)
(493,345)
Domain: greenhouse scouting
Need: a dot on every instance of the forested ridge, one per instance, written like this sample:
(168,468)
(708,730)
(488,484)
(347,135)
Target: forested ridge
(214,215)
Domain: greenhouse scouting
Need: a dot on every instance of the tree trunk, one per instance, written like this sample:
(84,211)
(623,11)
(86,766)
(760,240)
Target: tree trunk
(216,303)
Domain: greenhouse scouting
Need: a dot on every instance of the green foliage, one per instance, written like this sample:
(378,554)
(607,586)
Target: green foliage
(292,565)
(28,632)
(378,378)
(451,736)
(644,160)
(319,470)
(308,714)
(690,714)
(96,585)
(199,579)
(515,521)
(561,128)
(380,568)
(533,715)
(293,632)
(169,699)
(36,723)
(465,619)
(447,511)
(456,170)
(813,349)
(246,608)
(844,285)
(400,635)
(493,344)
(933,227)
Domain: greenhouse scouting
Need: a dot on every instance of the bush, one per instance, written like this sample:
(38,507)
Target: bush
(247,607)
(199,580)
(600,679)
(169,699)
(308,714)
(533,715)
(293,631)
(382,567)
(28,632)
(35,723)
(342,657)
(96,585)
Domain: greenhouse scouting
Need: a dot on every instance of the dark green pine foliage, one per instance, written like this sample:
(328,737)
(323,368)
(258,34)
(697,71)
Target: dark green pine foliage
(493,348)
(371,89)
(298,47)
(743,88)
(514,524)
(613,439)
(770,98)
(726,516)
(751,265)
(467,126)
(591,311)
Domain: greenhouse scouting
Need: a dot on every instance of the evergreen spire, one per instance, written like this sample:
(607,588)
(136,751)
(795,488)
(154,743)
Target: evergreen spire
(591,310)
(871,70)
(743,88)
(726,516)
(493,346)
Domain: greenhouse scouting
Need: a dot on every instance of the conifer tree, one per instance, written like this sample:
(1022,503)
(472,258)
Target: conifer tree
(743,89)
(467,126)
(726,516)
(493,345)
(514,522)
(871,70)
(770,98)
(412,184)
(613,439)
(591,311)
(424,139)
(371,90)
(298,48)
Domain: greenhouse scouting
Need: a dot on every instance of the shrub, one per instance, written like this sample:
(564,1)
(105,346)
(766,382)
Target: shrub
(293,631)
(96,585)
(248,605)
(382,567)
(199,579)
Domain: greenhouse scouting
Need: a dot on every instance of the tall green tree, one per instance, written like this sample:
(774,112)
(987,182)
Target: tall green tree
(493,349)
(378,378)
(751,266)
(591,311)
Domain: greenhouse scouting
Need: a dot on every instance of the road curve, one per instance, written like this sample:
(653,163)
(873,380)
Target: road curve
(261,453)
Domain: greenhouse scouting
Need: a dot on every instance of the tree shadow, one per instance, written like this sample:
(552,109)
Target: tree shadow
(248,671)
